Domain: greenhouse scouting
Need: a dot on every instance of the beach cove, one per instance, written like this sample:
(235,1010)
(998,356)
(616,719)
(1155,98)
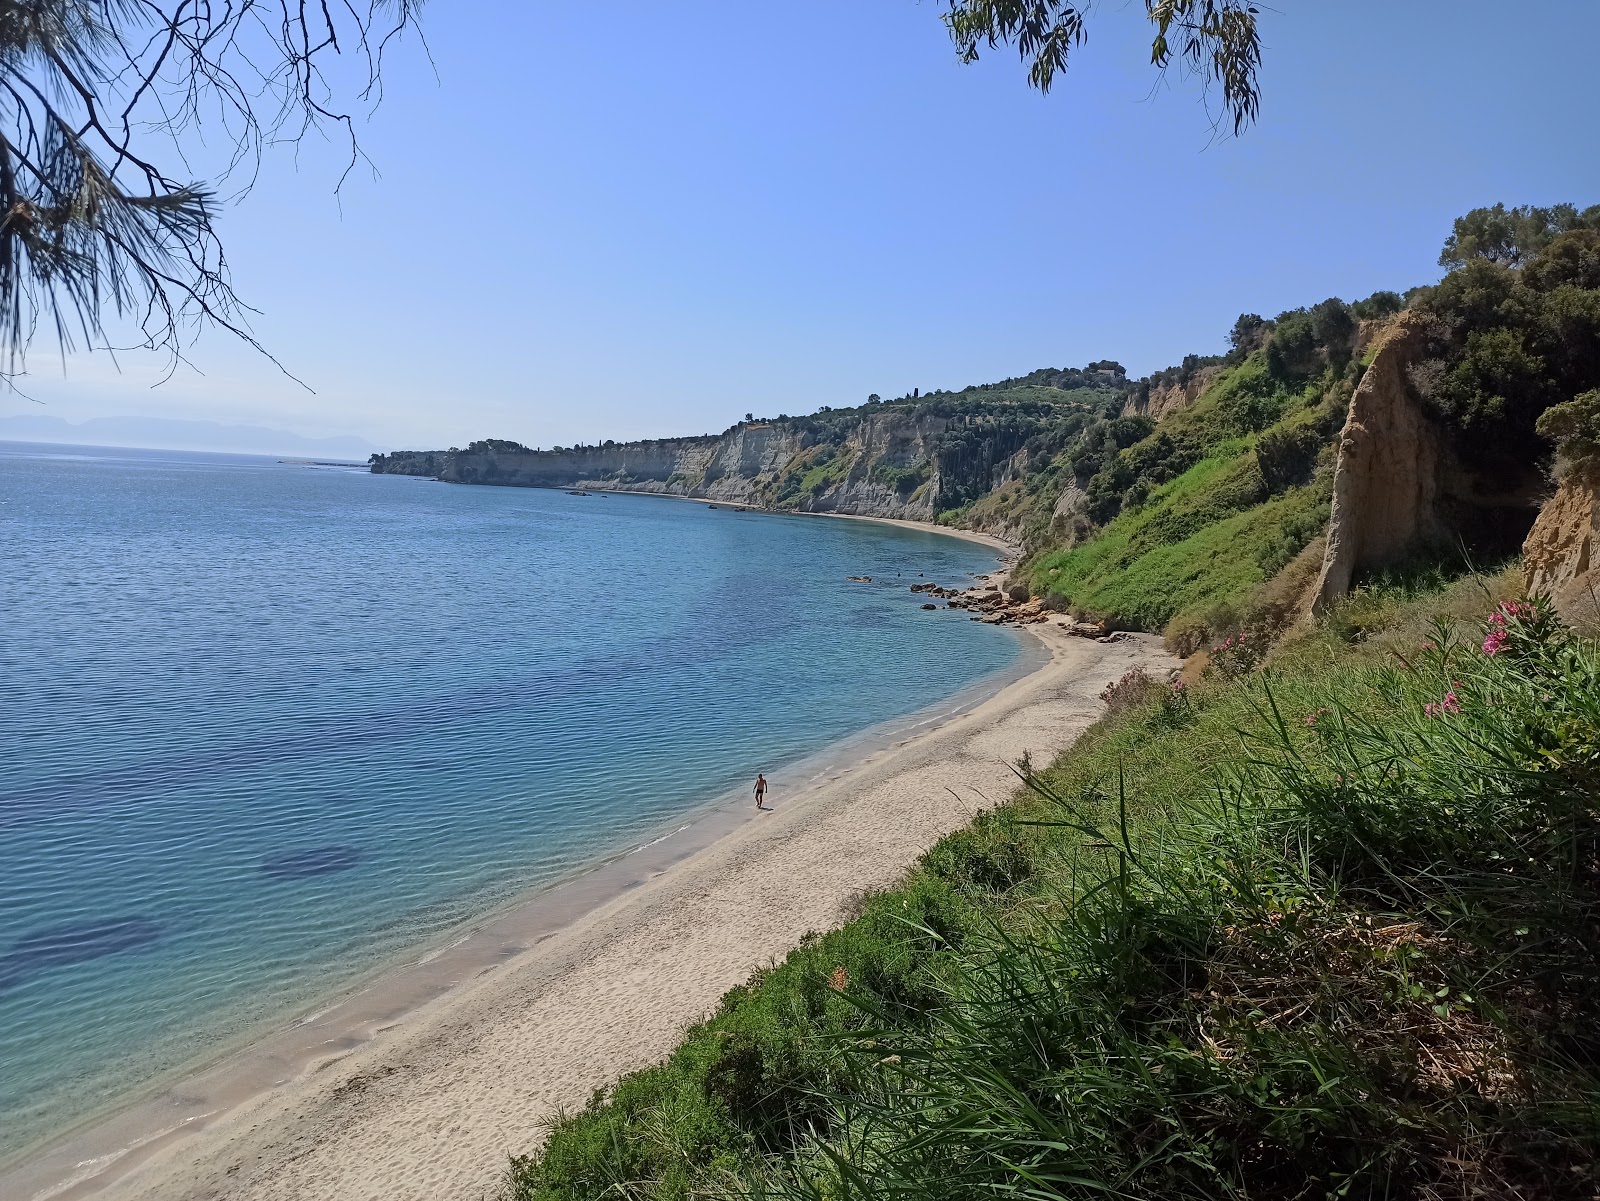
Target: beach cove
(430,1102)
(285,809)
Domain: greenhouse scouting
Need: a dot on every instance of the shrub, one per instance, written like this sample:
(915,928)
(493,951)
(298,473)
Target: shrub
(1236,655)
(1574,428)
(1286,457)
(1132,690)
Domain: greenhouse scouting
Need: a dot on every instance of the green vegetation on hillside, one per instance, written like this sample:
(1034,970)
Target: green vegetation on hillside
(1186,528)
(1324,929)
(1216,500)
(1316,922)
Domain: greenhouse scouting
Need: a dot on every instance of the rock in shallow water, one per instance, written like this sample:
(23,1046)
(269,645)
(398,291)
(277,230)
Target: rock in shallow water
(314,861)
(76,942)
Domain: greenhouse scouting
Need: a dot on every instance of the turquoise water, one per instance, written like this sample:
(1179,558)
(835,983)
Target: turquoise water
(265,726)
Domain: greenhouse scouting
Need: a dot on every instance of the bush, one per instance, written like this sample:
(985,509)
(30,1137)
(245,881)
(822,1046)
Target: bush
(1287,457)
(1236,655)
(1574,429)
(1132,690)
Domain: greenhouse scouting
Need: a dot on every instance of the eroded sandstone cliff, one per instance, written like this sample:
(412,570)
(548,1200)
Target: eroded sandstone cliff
(1558,556)
(886,464)
(1161,400)
(1385,485)
(1400,486)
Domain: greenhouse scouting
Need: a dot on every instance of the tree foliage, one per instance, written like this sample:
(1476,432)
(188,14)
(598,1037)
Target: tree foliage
(1574,428)
(1214,40)
(1249,333)
(106,100)
(1506,344)
(1510,237)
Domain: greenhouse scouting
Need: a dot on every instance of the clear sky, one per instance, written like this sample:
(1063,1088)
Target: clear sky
(650,221)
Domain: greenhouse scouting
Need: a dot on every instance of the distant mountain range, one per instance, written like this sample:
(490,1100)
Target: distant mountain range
(162,433)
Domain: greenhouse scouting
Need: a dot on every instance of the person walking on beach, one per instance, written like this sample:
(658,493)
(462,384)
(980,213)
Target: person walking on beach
(760,789)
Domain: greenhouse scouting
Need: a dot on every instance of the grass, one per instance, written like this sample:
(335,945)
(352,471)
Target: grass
(1205,539)
(1325,930)
(1184,551)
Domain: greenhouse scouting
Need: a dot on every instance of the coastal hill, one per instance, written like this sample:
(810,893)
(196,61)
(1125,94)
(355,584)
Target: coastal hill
(1229,491)
(921,457)
(1315,918)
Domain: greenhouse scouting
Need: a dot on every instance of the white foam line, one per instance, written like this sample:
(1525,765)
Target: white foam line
(321,1013)
(100,1163)
(434,954)
(663,838)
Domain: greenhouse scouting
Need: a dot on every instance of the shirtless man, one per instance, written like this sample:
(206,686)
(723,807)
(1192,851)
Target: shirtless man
(760,790)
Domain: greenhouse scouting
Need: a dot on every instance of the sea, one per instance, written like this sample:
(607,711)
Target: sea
(268,725)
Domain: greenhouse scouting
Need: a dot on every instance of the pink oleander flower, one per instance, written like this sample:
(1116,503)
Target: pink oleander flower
(1495,642)
(1450,704)
(1311,718)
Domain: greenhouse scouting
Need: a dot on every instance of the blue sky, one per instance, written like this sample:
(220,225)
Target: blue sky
(650,222)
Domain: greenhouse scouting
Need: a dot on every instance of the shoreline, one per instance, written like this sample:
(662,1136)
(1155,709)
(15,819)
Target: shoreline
(220,1131)
(1010,551)
(302,1041)
(435,1099)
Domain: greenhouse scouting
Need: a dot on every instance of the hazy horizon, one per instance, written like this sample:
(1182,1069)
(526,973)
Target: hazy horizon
(156,433)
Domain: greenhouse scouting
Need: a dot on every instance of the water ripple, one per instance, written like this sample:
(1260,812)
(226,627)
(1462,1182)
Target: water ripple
(271,726)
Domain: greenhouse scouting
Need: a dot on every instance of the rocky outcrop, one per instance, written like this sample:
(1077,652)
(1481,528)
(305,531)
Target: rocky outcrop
(1558,556)
(1399,486)
(1158,401)
(1386,482)
(409,462)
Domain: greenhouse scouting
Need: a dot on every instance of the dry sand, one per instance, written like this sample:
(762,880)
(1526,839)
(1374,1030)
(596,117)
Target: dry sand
(430,1108)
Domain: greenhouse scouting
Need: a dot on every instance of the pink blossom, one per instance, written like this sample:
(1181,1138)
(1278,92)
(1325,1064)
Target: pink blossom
(1495,642)
(1450,704)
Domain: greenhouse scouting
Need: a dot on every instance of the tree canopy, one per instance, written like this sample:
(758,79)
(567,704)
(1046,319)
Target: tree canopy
(1512,236)
(104,102)
(1214,40)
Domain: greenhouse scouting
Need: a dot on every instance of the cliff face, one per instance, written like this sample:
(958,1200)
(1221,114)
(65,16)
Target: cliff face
(1558,557)
(884,465)
(1162,400)
(1399,487)
(409,462)
(1385,486)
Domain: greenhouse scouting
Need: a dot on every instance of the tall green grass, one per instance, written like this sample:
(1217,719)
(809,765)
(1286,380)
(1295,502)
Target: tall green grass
(1327,930)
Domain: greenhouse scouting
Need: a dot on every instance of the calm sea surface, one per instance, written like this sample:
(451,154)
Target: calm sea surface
(264,726)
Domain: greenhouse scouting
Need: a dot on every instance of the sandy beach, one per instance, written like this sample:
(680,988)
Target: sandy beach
(429,1105)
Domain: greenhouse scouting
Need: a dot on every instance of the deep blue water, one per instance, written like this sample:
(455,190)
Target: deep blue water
(263,726)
